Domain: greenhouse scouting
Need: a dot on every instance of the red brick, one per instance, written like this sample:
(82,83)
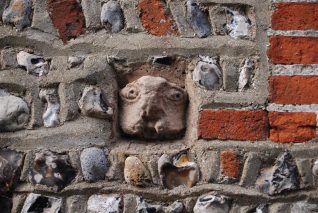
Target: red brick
(294,127)
(293,89)
(233,124)
(295,16)
(293,50)
(155,19)
(67,16)
(229,164)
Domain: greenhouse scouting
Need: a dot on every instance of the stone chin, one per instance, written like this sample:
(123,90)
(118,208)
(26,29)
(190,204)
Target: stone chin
(153,108)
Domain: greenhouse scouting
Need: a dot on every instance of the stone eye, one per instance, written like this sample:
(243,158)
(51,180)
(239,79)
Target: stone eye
(130,92)
(175,95)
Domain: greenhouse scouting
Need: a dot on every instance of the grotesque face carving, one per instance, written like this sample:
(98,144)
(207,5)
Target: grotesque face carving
(152,108)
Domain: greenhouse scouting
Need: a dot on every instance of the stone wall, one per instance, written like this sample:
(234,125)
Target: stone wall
(158,106)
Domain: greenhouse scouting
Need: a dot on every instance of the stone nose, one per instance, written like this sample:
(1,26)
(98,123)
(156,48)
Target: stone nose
(152,108)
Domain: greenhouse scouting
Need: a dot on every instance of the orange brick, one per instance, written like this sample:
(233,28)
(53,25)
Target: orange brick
(233,124)
(293,89)
(229,164)
(295,16)
(294,127)
(293,50)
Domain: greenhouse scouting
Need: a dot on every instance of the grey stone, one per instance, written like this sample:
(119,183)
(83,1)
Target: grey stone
(144,207)
(19,14)
(207,73)
(130,203)
(51,114)
(251,170)
(131,14)
(94,103)
(52,170)
(218,18)
(10,166)
(41,203)
(279,207)
(239,26)
(14,112)
(175,207)
(198,19)
(3,5)
(304,168)
(76,204)
(246,74)
(94,164)
(135,172)
(68,94)
(104,204)
(34,64)
(283,176)
(8,58)
(212,203)
(303,207)
(5,204)
(315,168)
(92,11)
(112,15)
(209,165)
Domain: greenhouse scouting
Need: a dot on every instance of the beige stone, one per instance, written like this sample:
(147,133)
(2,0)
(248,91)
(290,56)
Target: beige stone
(135,172)
(152,108)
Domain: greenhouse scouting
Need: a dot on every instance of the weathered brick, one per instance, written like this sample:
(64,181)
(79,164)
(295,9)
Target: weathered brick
(293,50)
(293,89)
(229,164)
(67,16)
(233,124)
(295,16)
(294,127)
(155,19)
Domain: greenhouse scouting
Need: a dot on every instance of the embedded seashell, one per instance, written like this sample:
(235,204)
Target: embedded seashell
(135,172)
(198,19)
(246,72)
(94,164)
(178,170)
(104,204)
(52,170)
(152,108)
(112,15)
(212,203)
(207,73)
(240,25)
(10,164)
(41,203)
(14,112)
(51,114)
(315,168)
(19,14)
(35,65)
(93,103)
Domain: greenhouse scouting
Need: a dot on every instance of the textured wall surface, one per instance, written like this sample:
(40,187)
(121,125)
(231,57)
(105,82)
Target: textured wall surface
(158,106)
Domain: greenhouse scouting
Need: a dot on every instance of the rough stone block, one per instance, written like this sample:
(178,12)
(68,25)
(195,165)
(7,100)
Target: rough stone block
(251,169)
(8,58)
(209,165)
(304,168)
(76,204)
(92,10)
(131,13)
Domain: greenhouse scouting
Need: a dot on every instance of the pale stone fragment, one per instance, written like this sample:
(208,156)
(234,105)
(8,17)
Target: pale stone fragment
(51,115)
(135,172)
(19,14)
(41,203)
(112,15)
(35,65)
(212,203)
(104,204)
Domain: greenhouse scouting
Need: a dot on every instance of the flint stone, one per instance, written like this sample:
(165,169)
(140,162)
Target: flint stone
(35,65)
(5,204)
(240,25)
(51,114)
(283,176)
(19,14)
(198,19)
(94,164)
(104,204)
(52,170)
(144,207)
(212,203)
(41,203)
(135,172)
(93,103)
(14,112)
(112,14)
(246,73)
(10,165)
(207,73)
(178,170)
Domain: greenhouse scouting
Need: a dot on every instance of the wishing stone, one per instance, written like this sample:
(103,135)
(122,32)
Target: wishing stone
(198,19)
(207,73)
(19,13)
(94,164)
(104,204)
(93,103)
(152,108)
(10,164)
(246,72)
(40,203)
(14,112)
(283,176)
(135,172)
(34,64)
(52,170)
(112,15)
(51,115)
(240,25)
(212,203)
(178,170)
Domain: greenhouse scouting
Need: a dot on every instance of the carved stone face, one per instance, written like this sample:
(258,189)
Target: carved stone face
(152,108)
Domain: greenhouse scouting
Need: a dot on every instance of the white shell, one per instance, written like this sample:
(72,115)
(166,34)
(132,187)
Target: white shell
(34,64)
